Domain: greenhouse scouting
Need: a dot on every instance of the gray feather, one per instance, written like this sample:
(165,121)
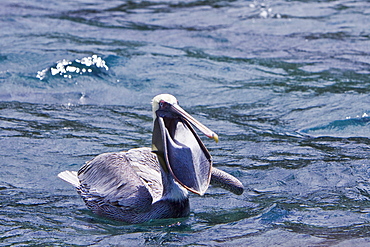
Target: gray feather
(110,178)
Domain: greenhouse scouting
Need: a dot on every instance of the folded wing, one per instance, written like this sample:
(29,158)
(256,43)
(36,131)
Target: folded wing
(130,180)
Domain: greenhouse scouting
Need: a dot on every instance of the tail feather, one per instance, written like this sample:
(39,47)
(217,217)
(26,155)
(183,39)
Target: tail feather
(70,177)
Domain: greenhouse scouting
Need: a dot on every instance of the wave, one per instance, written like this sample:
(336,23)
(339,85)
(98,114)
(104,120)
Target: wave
(358,126)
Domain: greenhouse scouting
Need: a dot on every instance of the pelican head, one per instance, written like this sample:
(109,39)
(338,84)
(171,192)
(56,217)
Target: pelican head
(178,147)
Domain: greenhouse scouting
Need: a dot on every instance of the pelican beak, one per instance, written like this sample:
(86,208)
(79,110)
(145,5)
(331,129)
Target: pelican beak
(180,149)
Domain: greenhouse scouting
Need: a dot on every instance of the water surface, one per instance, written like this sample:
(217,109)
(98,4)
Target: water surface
(285,84)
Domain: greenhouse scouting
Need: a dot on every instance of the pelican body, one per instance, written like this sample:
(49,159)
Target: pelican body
(153,183)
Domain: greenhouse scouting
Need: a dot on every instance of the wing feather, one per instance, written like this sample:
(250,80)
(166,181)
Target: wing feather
(113,178)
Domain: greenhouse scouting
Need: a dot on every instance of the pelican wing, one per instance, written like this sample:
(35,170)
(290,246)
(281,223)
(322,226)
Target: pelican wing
(130,180)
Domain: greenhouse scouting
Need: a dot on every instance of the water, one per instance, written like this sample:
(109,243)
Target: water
(285,84)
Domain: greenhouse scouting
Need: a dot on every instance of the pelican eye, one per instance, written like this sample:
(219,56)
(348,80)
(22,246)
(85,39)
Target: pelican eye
(163,104)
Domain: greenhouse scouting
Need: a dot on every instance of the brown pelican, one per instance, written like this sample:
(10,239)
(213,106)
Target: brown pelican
(152,183)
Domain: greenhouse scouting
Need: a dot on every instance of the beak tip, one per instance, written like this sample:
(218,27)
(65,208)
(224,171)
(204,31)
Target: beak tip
(215,137)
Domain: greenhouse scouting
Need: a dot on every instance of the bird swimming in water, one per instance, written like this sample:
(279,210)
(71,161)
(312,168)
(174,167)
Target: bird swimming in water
(153,183)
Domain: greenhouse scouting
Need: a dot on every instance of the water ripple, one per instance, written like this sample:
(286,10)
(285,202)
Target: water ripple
(283,83)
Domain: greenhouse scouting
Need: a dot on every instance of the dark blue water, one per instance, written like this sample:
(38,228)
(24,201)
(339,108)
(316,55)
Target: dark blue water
(285,84)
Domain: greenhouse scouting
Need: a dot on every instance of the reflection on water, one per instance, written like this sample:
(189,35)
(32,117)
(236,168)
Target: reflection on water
(276,80)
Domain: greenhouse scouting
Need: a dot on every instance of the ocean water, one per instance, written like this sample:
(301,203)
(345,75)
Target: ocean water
(285,85)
